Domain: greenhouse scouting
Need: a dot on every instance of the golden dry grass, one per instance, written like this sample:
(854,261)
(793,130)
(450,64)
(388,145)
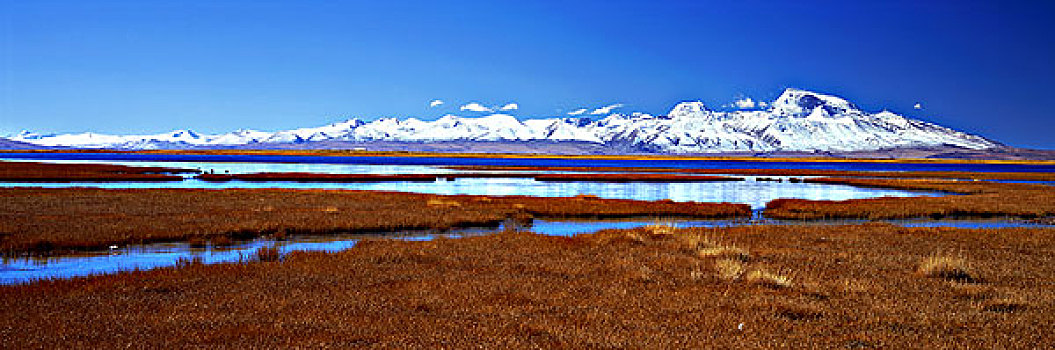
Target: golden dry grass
(765,278)
(947,267)
(730,269)
(853,286)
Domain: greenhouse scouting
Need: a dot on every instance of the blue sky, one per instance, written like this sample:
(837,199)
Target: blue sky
(214,66)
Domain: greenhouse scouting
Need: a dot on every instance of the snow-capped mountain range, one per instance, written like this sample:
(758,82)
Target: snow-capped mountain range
(798,120)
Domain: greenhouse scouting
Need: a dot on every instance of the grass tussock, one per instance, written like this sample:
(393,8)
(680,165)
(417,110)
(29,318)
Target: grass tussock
(661,229)
(567,292)
(708,247)
(765,278)
(1005,305)
(973,292)
(730,269)
(952,268)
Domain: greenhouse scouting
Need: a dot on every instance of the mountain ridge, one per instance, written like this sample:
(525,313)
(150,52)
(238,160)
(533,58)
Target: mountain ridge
(797,121)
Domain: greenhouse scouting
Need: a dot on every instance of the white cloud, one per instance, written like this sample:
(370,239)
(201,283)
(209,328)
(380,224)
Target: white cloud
(745,103)
(606,109)
(510,107)
(917,106)
(435,103)
(577,111)
(762,104)
(476,107)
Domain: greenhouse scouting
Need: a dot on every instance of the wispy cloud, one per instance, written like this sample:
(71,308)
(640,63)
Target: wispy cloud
(476,107)
(510,107)
(579,111)
(435,103)
(745,103)
(606,109)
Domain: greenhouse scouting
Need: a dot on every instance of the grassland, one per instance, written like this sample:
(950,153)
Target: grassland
(976,199)
(866,286)
(34,220)
(46,172)
(862,286)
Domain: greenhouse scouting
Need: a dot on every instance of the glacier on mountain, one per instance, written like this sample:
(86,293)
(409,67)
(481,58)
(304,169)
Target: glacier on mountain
(798,120)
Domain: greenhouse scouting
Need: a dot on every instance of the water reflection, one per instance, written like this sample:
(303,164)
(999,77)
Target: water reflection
(751,192)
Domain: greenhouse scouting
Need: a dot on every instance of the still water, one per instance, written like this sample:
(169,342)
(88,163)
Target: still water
(751,191)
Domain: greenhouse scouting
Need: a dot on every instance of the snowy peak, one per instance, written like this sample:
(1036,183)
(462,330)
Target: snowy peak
(801,103)
(799,120)
(689,109)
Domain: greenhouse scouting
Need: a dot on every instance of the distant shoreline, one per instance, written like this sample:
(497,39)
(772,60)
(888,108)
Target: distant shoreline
(360,153)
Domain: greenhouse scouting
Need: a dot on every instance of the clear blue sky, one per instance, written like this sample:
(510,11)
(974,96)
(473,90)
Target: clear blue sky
(140,66)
